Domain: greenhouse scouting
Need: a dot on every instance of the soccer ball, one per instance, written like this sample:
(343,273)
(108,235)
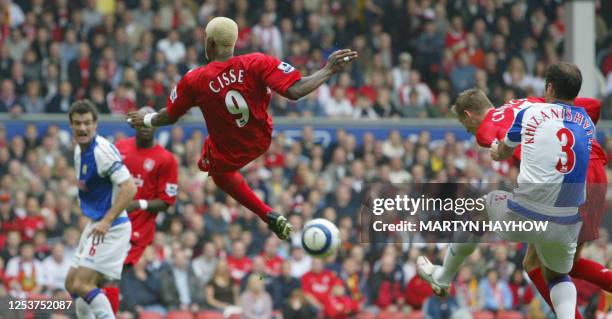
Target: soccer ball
(320,238)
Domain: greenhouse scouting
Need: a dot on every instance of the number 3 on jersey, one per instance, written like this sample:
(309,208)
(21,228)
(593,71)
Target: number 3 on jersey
(566,137)
(237,105)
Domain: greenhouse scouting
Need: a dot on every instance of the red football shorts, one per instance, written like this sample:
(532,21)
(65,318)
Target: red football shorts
(594,207)
(224,163)
(134,254)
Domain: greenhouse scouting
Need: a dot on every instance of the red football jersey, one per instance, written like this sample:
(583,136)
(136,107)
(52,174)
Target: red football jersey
(233,97)
(274,265)
(498,121)
(239,267)
(155,172)
(319,285)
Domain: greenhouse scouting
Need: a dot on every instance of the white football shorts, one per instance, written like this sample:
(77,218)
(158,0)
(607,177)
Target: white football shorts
(107,256)
(555,246)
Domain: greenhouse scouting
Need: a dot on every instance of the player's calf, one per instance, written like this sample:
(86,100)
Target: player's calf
(85,285)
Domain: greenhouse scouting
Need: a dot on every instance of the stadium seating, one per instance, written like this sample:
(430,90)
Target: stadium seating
(150,315)
(209,315)
(510,315)
(415,315)
(391,315)
(483,315)
(180,315)
(365,315)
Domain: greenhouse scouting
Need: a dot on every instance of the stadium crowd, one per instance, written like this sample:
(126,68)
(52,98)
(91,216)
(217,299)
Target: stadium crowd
(211,254)
(415,56)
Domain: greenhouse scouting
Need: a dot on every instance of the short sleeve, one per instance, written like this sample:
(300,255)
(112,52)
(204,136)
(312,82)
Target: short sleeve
(494,126)
(167,181)
(277,75)
(513,137)
(110,164)
(181,98)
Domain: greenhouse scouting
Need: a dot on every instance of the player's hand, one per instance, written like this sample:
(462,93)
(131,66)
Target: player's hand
(99,231)
(495,151)
(338,60)
(135,119)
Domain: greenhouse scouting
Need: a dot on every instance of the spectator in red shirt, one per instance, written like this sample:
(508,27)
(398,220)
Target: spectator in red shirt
(456,36)
(317,283)
(273,261)
(239,264)
(33,221)
(121,100)
(522,295)
(385,285)
(339,305)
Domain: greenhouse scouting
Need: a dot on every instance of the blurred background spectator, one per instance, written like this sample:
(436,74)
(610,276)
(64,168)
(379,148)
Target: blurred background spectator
(434,48)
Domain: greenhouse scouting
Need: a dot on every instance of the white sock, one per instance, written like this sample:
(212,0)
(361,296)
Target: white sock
(83,311)
(455,255)
(100,305)
(563,296)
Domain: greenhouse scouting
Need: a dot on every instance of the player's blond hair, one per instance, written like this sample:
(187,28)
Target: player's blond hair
(223,31)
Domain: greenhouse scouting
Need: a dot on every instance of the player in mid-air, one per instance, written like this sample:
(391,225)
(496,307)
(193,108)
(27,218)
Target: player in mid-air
(155,172)
(556,139)
(105,190)
(490,124)
(233,93)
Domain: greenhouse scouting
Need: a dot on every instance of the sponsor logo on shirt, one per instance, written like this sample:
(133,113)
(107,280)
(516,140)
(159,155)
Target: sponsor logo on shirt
(173,94)
(286,67)
(149,164)
(138,181)
(171,189)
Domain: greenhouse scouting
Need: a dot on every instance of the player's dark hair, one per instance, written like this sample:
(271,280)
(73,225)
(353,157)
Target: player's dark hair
(83,107)
(473,100)
(565,78)
(26,243)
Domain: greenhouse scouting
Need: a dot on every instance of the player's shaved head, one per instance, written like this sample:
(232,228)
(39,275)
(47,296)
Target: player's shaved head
(565,80)
(472,100)
(223,31)
(145,136)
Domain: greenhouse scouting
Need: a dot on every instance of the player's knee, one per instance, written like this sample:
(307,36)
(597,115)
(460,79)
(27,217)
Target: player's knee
(83,281)
(81,288)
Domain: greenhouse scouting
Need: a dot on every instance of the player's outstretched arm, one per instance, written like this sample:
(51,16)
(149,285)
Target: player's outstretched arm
(336,62)
(138,119)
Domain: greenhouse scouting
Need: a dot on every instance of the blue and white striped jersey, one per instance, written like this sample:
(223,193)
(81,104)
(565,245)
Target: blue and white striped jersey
(99,170)
(555,150)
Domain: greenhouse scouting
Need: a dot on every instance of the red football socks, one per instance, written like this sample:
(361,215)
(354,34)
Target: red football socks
(538,280)
(592,272)
(112,293)
(233,184)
